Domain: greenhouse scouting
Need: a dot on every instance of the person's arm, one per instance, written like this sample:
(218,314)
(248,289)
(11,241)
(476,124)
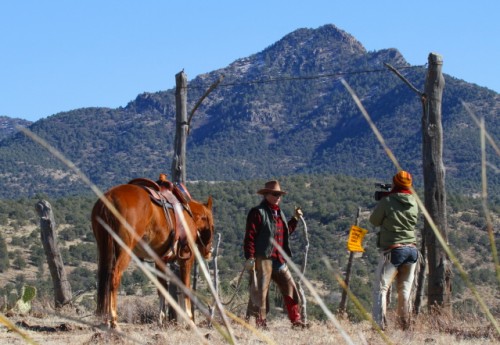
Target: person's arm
(294,221)
(292,225)
(253,222)
(378,214)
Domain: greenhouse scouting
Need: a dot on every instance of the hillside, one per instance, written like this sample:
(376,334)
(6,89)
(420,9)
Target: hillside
(281,111)
(330,205)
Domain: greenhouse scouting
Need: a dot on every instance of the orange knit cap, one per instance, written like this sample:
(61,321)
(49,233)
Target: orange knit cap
(402,179)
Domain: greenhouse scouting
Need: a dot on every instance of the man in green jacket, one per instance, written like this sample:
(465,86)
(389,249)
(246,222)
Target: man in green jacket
(396,214)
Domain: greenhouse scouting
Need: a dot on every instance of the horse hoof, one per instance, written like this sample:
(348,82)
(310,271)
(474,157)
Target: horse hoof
(107,325)
(104,326)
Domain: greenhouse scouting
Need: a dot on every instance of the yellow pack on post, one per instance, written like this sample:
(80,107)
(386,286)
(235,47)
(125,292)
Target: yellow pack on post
(355,240)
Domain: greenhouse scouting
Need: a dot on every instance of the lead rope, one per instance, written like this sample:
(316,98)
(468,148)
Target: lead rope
(238,285)
(303,309)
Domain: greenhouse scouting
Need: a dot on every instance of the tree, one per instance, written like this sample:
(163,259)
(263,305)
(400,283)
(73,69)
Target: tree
(4,255)
(19,260)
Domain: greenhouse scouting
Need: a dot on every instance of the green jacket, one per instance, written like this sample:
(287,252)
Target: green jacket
(397,215)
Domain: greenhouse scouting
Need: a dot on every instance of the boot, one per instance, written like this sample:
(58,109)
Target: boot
(293,310)
(261,323)
(404,323)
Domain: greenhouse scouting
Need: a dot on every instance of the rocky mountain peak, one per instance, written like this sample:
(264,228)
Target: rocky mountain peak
(302,52)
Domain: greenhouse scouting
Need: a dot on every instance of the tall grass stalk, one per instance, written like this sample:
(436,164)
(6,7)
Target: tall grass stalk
(484,194)
(230,336)
(6,322)
(314,293)
(489,223)
(362,311)
(478,123)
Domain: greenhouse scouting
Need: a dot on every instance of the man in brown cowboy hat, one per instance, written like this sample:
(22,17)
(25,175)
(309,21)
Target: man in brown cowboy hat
(264,261)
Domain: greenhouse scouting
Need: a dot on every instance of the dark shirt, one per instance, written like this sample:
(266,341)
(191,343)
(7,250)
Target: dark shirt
(278,237)
(254,222)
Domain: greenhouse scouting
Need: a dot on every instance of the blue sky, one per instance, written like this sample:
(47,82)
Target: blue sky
(61,55)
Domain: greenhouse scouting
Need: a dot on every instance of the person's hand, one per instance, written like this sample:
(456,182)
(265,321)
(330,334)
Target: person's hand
(250,264)
(298,213)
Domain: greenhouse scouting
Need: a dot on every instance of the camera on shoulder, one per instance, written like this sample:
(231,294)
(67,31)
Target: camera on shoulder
(385,189)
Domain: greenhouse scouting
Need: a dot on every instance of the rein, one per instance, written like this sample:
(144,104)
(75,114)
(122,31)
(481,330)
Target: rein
(200,240)
(238,285)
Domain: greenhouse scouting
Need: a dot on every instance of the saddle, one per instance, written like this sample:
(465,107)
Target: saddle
(174,196)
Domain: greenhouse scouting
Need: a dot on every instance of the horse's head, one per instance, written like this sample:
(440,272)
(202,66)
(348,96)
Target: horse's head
(203,217)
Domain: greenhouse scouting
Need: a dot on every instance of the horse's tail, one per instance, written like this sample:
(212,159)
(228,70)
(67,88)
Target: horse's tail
(106,251)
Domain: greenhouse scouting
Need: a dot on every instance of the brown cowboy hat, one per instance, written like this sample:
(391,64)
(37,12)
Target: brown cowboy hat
(271,187)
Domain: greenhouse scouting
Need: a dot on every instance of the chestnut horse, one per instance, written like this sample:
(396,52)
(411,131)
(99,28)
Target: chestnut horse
(153,227)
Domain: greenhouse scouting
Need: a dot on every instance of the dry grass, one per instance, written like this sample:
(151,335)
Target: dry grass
(78,326)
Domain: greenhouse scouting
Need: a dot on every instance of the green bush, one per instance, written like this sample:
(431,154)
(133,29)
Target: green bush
(19,260)
(82,279)
(4,255)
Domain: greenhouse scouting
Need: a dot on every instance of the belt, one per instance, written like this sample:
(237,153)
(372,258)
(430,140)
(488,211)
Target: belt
(397,245)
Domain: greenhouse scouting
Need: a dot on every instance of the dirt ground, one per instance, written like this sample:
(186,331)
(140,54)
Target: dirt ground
(61,330)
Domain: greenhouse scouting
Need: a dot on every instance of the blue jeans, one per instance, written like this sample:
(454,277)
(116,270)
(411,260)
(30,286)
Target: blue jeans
(399,263)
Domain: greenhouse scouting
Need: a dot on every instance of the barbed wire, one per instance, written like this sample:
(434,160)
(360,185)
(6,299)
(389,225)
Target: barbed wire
(309,77)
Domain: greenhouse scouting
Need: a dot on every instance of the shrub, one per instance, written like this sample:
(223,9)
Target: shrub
(82,279)
(4,255)
(19,260)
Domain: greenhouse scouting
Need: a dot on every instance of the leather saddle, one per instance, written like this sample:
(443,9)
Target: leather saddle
(174,196)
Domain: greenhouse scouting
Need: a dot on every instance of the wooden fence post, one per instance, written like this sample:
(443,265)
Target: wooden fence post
(62,287)
(440,273)
(179,159)
(178,169)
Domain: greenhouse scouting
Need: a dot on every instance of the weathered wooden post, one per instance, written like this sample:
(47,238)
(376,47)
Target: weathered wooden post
(343,301)
(440,273)
(62,287)
(179,159)
(178,170)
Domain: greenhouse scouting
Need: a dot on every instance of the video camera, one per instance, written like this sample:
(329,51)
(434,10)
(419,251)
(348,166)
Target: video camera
(386,188)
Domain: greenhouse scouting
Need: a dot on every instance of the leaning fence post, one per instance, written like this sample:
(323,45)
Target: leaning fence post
(62,287)
(343,301)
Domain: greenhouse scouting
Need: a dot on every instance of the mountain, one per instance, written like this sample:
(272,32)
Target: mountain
(8,126)
(282,111)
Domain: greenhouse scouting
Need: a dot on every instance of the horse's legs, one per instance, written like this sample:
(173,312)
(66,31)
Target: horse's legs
(185,275)
(120,266)
(163,304)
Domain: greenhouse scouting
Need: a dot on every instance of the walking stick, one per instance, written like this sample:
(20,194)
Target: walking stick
(303,309)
